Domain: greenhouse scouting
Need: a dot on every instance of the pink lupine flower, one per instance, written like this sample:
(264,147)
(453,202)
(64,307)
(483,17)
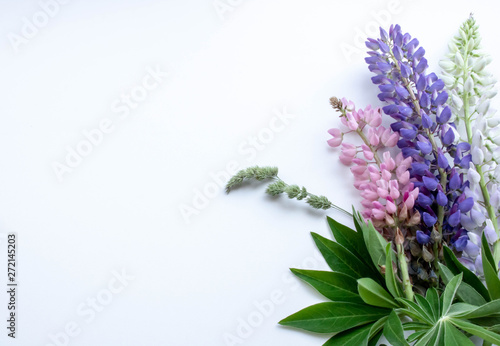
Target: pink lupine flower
(383,181)
(337,137)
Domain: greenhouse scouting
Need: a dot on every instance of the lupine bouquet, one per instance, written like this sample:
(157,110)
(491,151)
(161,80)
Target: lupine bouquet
(421,266)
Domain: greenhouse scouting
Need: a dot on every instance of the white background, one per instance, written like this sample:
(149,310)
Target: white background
(197,276)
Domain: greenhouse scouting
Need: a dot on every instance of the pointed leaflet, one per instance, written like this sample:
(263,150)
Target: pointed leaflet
(491,308)
(333,317)
(466,292)
(433,299)
(374,340)
(470,278)
(489,267)
(334,286)
(438,337)
(476,330)
(352,337)
(458,309)
(425,338)
(390,278)
(357,336)
(417,335)
(449,293)
(414,310)
(339,259)
(374,294)
(376,244)
(393,330)
(350,239)
(452,336)
(426,307)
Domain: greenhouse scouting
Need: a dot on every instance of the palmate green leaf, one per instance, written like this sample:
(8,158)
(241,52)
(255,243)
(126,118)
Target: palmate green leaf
(352,337)
(454,337)
(375,243)
(334,317)
(350,239)
(490,272)
(476,330)
(341,260)
(374,294)
(449,293)
(334,286)
(488,309)
(390,278)
(466,292)
(470,278)
(393,330)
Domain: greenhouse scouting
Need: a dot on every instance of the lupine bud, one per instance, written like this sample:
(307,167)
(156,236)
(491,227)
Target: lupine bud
(461,243)
(427,255)
(466,204)
(483,107)
(478,264)
(441,199)
(447,65)
(459,60)
(490,234)
(454,219)
(477,156)
(469,85)
(423,238)
(429,220)
(477,217)
(457,101)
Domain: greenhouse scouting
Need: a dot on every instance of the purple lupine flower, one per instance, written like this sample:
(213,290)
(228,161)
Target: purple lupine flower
(417,101)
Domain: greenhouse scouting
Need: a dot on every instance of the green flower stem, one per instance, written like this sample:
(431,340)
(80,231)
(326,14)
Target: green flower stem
(403,267)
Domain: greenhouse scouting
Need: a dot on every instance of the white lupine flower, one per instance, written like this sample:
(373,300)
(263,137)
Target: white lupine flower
(477,139)
(490,94)
(472,250)
(459,60)
(479,266)
(448,80)
(483,107)
(473,237)
(452,46)
(477,156)
(463,34)
(447,65)
(471,44)
(457,101)
(495,198)
(469,84)
(496,140)
(473,175)
(477,216)
(479,65)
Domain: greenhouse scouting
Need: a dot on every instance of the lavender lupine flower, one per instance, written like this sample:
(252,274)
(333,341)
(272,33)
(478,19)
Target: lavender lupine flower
(471,87)
(417,102)
(388,194)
